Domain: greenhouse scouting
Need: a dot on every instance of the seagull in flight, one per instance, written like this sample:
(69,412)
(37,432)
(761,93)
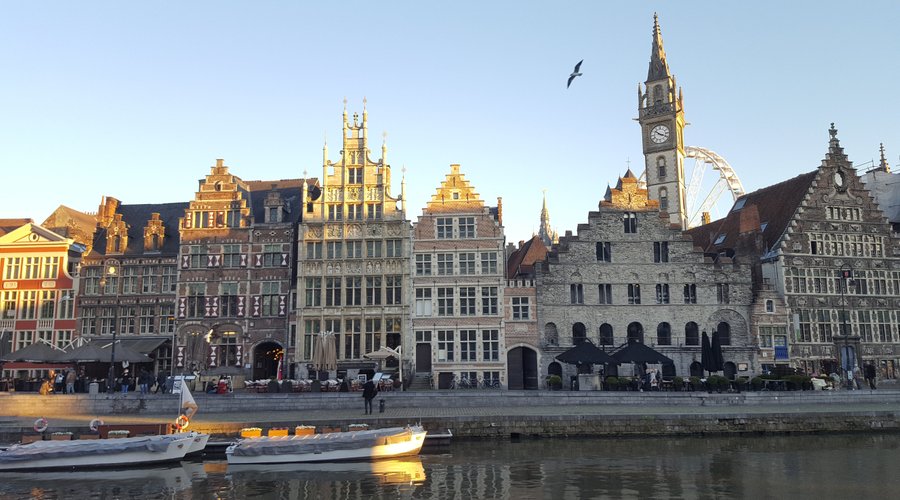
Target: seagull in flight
(576,72)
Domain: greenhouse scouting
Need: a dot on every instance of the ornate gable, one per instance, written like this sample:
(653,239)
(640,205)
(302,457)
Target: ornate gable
(154,233)
(628,195)
(455,194)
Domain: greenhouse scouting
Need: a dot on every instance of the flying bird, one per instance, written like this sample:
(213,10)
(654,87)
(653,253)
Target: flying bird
(576,72)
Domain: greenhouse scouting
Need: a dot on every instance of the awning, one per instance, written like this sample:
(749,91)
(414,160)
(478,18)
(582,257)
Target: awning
(586,353)
(100,351)
(143,346)
(39,352)
(636,352)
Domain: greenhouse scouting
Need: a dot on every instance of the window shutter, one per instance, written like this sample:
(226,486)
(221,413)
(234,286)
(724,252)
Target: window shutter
(240,306)
(182,307)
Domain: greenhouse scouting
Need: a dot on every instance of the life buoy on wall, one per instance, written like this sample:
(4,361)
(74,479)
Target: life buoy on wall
(182,423)
(40,425)
(95,424)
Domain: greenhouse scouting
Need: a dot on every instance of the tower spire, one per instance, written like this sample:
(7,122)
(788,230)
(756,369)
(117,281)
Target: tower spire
(545,232)
(659,69)
(883,164)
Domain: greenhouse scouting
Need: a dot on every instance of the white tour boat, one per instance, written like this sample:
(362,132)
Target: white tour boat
(93,453)
(328,447)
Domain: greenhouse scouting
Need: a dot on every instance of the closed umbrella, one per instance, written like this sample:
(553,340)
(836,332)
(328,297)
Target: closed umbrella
(716,352)
(706,358)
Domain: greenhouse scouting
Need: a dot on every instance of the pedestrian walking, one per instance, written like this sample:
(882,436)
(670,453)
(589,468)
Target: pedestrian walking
(870,375)
(126,381)
(160,383)
(144,381)
(369,392)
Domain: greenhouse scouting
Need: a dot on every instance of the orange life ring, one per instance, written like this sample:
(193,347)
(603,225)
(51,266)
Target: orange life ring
(182,422)
(95,424)
(40,425)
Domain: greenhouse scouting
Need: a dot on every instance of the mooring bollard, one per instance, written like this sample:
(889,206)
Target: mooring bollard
(380,406)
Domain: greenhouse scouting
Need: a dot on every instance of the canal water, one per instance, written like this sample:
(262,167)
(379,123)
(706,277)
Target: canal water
(858,466)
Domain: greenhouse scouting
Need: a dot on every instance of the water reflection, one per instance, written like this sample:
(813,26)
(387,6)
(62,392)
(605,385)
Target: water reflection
(749,467)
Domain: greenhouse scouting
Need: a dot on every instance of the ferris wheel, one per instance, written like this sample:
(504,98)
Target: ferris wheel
(713,189)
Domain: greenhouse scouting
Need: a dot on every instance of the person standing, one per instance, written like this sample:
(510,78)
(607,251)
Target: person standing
(160,383)
(369,392)
(70,382)
(870,375)
(126,381)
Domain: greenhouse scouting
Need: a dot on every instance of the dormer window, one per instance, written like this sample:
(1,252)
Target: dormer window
(720,239)
(770,306)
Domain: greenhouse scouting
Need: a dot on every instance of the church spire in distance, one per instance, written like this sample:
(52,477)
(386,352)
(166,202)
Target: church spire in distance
(546,233)
(659,68)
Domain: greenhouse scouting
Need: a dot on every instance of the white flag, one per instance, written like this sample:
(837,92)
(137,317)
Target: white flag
(188,405)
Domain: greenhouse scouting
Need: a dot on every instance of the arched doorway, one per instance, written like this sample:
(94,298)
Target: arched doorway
(730,370)
(696,369)
(522,368)
(266,357)
(636,332)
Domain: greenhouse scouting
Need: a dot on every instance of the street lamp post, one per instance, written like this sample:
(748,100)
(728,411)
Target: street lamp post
(846,274)
(111,376)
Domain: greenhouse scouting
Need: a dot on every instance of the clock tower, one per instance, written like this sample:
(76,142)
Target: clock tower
(661,115)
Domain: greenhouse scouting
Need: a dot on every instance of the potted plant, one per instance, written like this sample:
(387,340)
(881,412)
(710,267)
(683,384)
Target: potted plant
(677,383)
(716,383)
(554,382)
(694,383)
(612,383)
(757,383)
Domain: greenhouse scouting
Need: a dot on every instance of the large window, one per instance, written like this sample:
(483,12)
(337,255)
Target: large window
(29,304)
(444,227)
(576,293)
(660,251)
(334,249)
(197,256)
(354,175)
(32,268)
(445,264)
(394,290)
(724,330)
(445,301)
(606,334)
(690,293)
(662,294)
(373,249)
(129,280)
(313,292)
(467,301)
(354,211)
(467,345)
(354,249)
(488,262)
(394,248)
(691,334)
(630,222)
(634,293)
(373,290)
(373,211)
(423,264)
(445,345)
(147,325)
(231,255)
(373,335)
(228,299)
(169,282)
(488,300)
(13,268)
(353,290)
(423,301)
(150,280)
(467,227)
(490,345)
(332,291)
(196,296)
(664,334)
(48,304)
(51,267)
(335,212)
(604,251)
(314,250)
(352,337)
(722,295)
(467,263)
(605,290)
(520,308)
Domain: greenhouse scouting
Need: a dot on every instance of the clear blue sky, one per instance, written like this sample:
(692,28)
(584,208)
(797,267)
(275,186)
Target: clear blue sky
(137,99)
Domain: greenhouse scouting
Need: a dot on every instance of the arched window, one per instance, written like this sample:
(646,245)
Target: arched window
(606,334)
(657,94)
(664,199)
(579,333)
(636,332)
(661,167)
(691,334)
(724,330)
(550,334)
(664,334)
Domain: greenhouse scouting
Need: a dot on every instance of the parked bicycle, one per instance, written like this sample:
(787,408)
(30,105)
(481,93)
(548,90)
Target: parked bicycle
(489,383)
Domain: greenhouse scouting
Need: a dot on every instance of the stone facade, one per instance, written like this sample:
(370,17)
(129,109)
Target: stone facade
(630,273)
(459,287)
(235,275)
(838,265)
(353,254)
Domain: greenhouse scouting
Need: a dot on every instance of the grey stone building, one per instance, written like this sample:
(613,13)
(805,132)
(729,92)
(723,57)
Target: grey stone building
(631,274)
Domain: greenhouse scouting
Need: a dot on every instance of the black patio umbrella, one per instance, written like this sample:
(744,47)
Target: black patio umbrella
(39,352)
(706,357)
(586,353)
(636,352)
(99,351)
(716,352)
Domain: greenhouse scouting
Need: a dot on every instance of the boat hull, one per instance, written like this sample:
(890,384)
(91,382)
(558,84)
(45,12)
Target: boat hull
(69,455)
(411,444)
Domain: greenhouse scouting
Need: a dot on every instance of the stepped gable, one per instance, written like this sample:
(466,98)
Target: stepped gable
(774,207)
(455,194)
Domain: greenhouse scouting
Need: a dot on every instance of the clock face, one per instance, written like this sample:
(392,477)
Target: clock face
(659,134)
